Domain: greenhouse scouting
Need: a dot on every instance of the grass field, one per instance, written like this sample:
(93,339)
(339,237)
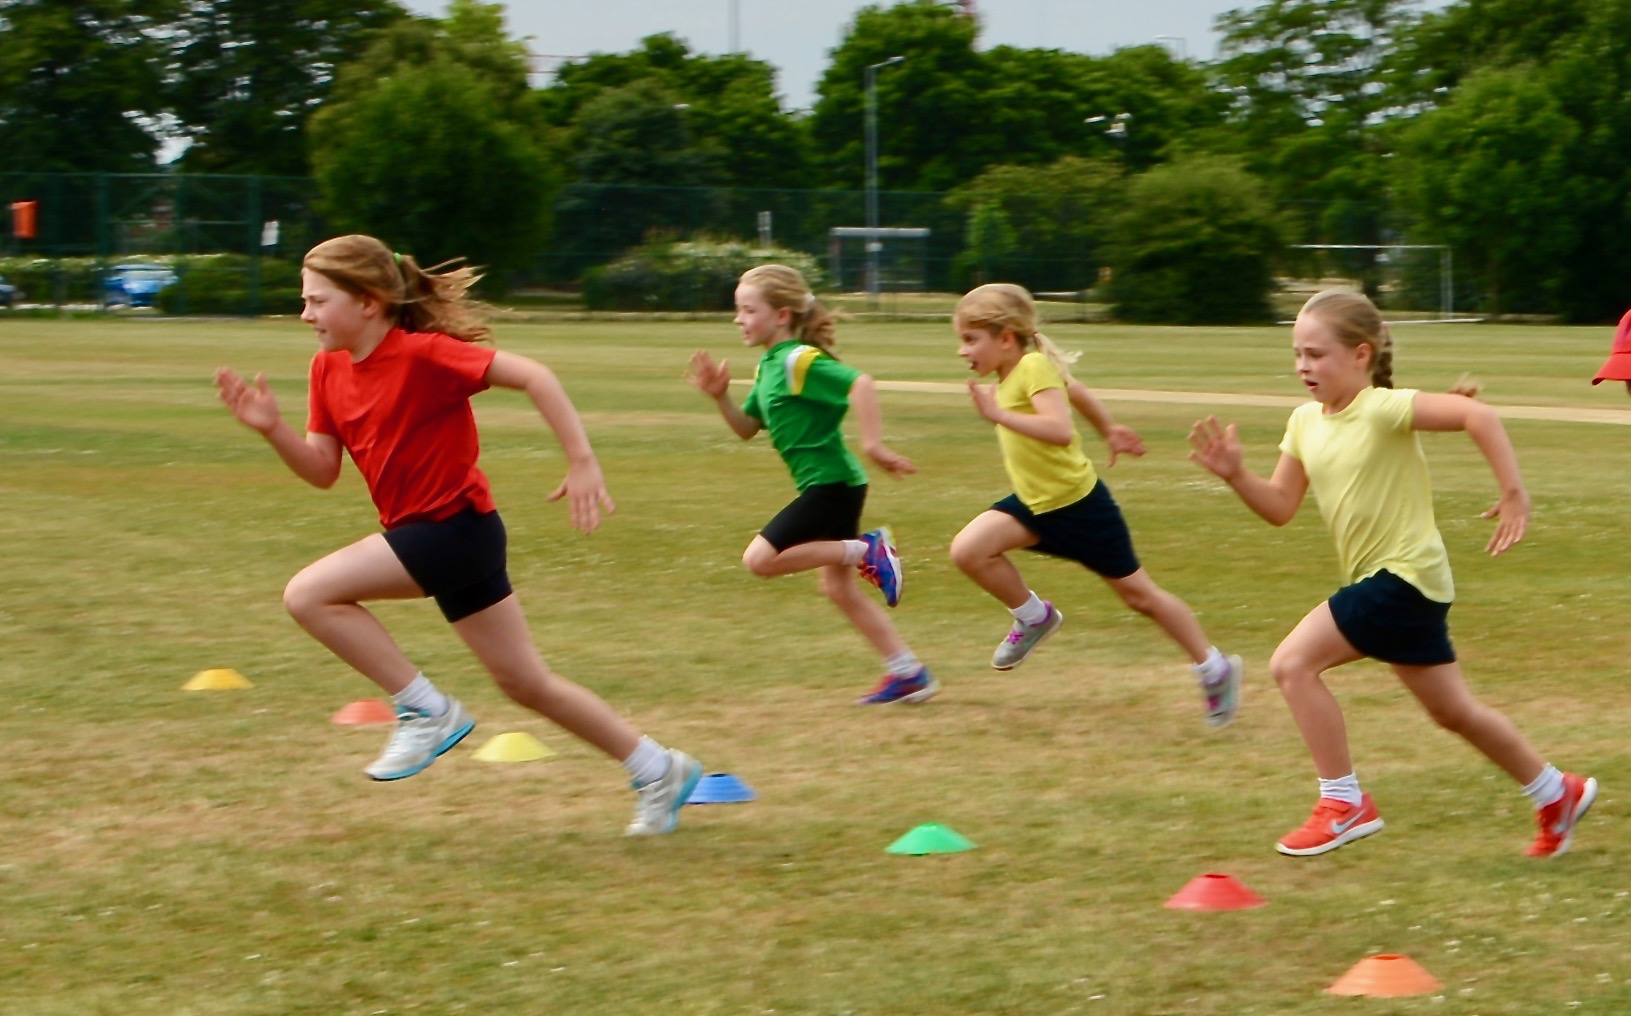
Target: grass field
(175,853)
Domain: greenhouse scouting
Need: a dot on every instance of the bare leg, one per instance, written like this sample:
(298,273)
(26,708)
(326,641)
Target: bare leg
(1312,648)
(981,550)
(868,617)
(1173,615)
(763,559)
(325,598)
(500,639)
(1444,694)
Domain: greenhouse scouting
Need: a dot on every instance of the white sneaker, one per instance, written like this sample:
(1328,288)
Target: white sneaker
(1223,698)
(657,807)
(419,739)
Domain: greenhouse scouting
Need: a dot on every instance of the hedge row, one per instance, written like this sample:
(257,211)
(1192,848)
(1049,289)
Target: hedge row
(696,275)
(205,283)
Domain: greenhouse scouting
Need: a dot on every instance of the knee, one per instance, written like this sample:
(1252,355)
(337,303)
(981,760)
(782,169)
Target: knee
(965,555)
(837,587)
(758,560)
(1145,601)
(1289,669)
(301,597)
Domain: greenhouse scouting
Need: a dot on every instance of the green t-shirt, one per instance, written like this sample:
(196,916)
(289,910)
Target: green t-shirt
(801,394)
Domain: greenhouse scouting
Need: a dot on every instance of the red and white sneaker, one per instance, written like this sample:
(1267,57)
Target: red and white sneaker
(1558,819)
(1332,824)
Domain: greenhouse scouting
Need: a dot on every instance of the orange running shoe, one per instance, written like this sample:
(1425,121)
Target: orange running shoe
(1558,819)
(1332,824)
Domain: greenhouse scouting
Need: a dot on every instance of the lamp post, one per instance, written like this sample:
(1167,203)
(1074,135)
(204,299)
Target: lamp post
(872,243)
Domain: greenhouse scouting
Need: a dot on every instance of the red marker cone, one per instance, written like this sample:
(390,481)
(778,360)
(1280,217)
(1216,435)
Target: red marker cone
(1214,892)
(1385,976)
(362,712)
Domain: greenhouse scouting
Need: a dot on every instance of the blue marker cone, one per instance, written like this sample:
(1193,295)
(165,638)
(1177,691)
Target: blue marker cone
(721,788)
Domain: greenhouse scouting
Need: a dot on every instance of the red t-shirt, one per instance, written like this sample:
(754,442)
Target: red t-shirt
(403,414)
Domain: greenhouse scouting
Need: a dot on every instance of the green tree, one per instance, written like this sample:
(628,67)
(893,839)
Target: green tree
(1581,51)
(245,75)
(1060,215)
(934,110)
(1309,82)
(442,156)
(79,85)
(734,123)
(1489,174)
(1195,244)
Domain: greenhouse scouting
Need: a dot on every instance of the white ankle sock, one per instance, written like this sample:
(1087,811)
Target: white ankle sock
(647,763)
(1344,789)
(1547,788)
(422,696)
(903,664)
(854,551)
(1215,669)
(1032,612)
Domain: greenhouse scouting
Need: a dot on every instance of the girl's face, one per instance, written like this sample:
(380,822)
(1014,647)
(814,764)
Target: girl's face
(761,324)
(339,318)
(1332,371)
(988,350)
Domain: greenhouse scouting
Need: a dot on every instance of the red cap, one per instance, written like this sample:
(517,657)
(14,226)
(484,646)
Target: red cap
(1618,367)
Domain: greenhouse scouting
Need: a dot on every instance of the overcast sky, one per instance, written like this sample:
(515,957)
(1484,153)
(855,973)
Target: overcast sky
(797,35)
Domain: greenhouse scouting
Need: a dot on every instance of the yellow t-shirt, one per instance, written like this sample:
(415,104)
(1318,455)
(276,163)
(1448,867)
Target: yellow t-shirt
(1368,474)
(1045,476)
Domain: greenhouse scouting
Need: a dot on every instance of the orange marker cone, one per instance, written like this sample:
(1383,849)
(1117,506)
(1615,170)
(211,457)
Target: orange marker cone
(1214,892)
(1385,976)
(363,712)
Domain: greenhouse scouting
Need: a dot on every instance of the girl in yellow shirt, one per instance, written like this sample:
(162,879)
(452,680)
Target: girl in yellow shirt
(1356,446)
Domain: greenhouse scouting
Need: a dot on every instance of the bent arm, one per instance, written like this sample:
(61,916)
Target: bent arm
(1051,422)
(544,389)
(314,458)
(1277,498)
(1431,411)
(1118,438)
(1435,412)
(863,398)
(744,425)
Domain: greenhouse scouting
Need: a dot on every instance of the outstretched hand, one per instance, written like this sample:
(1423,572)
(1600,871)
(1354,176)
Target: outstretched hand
(1513,512)
(254,405)
(585,492)
(1123,441)
(1216,448)
(894,462)
(710,378)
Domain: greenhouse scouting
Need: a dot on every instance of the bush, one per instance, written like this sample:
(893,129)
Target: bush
(206,283)
(221,284)
(693,275)
(1196,245)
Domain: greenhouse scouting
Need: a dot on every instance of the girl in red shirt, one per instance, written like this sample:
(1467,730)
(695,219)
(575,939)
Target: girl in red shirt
(391,386)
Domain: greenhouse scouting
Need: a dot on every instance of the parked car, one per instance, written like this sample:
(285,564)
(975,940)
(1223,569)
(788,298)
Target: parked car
(135,285)
(8,293)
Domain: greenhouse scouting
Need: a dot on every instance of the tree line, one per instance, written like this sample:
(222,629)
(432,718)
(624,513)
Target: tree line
(1501,128)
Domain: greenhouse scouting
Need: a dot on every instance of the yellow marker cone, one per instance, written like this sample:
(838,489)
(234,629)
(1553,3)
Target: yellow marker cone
(216,680)
(512,747)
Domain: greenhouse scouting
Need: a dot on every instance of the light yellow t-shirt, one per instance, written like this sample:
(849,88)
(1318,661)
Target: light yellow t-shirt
(1368,474)
(1045,476)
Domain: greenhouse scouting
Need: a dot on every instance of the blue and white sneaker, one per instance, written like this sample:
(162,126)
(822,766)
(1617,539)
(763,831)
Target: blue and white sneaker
(658,803)
(419,739)
(881,565)
(920,687)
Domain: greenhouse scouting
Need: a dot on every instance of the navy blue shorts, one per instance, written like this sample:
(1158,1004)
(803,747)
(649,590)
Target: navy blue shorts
(1090,532)
(1388,619)
(827,511)
(459,562)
